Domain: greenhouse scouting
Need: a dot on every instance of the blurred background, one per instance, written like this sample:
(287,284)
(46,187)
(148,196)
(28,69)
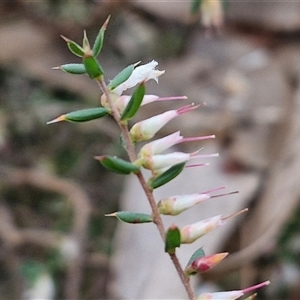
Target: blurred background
(54,240)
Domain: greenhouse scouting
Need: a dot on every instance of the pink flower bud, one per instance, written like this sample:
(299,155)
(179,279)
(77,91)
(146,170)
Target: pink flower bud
(204,263)
(140,74)
(191,233)
(174,205)
(146,129)
(231,295)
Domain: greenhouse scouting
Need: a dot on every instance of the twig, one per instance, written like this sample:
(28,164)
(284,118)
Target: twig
(156,215)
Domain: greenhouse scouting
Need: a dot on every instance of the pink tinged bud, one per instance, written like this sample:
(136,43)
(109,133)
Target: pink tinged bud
(146,129)
(191,233)
(161,161)
(140,74)
(160,145)
(205,263)
(122,101)
(168,141)
(165,160)
(231,295)
(176,204)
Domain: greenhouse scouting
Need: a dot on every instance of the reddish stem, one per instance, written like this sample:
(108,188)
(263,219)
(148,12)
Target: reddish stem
(156,215)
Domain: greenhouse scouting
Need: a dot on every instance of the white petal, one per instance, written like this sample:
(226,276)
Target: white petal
(140,74)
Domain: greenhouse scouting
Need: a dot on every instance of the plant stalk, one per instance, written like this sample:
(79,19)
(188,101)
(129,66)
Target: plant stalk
(156,215)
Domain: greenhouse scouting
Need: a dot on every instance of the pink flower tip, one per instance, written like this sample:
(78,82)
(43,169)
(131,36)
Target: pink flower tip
(255,287)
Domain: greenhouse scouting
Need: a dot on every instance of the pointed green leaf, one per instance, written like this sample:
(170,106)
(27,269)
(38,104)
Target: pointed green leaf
(99,39)
(83,115)
(92,67)
(167,176)
(117,165)
(77,69)
(131,217)
(121,77)
(195,6)
(134,102)
(172,239)
(198,253)
(86,114)
(74,47)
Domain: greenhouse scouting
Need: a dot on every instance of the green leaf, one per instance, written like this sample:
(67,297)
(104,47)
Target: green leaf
(117,165)
(92,67)
(198,253)
(86,114)
(99,39)
(167,176)
(77,69)
(74,47)
(121,77)
(134,103)
(83,115)
(195,6)
(172,239)
(131,217)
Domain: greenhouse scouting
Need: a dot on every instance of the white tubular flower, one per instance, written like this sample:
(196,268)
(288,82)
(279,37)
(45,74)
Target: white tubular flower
(160,145)
(191,233)
(122,101)
(165,160)
(231,295)
(168,141)
(161,161)
(174,205)
(140,74)
(146,129)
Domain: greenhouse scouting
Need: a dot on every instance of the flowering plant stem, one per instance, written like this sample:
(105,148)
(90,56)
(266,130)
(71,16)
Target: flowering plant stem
(156,215)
